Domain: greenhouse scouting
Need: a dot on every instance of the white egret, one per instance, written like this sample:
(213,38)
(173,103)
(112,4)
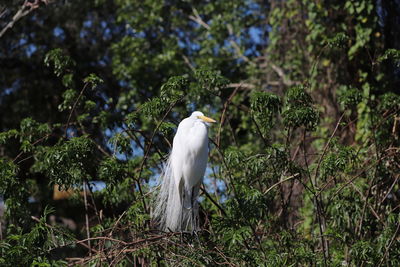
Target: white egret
(176,207)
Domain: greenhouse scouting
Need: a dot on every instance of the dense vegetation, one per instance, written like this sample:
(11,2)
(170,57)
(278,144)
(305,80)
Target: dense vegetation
(304,160)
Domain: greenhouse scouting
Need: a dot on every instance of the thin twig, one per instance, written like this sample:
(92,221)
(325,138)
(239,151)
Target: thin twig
(226,104)
(280,182)
(187,61)
(351,180)
(241,85)
(87,219)
(102,238)
(285,80)
(213,201)
(73,107)
(390,244)
(326,146)
(390,189)
(24,10)
(34,143)
(365,207)
(57,230)
(319,206)
(199,20)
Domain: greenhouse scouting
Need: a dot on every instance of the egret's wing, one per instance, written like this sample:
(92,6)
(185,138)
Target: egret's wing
(195,161)
(177,207)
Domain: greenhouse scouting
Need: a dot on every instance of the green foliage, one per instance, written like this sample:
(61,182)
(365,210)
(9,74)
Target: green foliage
(339,40)
(210,79)
(349,97)
(15,192)
(69,97)
(391,54)
(4,136)
(30,130)
(110,168)
(31,248)
(121,143)
(299,110)
(93,80)
(265,107)
(60,62)
(339,159)
(167,128)
(303,166)
(389,101)
(68,163)
(119,193)
(173,89)
(8,173)
(154,107)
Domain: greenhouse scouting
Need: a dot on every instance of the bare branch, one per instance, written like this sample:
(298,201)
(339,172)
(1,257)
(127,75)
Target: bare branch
(241,85)
(198,19)
(73,108)
(187,61)
(26,8)
(282,75)
(282,181)
(87,219)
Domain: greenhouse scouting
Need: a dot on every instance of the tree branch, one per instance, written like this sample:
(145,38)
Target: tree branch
(26,8)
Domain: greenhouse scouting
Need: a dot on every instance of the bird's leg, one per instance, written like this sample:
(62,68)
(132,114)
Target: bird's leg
(181,213)
(187,203)
(181,219)
(194,213)
(181,234)
(195,205)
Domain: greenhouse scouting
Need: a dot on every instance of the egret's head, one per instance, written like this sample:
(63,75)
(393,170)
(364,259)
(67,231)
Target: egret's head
(199,116)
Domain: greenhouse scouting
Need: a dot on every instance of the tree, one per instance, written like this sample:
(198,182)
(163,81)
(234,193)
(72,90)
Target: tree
(303,164)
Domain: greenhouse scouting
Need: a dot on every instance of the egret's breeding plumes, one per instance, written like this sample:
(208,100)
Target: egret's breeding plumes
(176,206)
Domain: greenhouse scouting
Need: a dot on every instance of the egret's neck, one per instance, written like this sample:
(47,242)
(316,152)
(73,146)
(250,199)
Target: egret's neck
(198,136)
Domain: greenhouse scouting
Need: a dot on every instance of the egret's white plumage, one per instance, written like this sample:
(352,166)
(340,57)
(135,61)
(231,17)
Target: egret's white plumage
(176,206)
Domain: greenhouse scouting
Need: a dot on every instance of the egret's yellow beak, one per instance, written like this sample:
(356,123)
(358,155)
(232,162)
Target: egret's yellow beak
(206,119)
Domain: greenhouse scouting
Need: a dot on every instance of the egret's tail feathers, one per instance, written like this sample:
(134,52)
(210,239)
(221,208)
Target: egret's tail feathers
(175,209)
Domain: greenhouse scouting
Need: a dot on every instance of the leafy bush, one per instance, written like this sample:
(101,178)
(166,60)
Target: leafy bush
(303,165)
